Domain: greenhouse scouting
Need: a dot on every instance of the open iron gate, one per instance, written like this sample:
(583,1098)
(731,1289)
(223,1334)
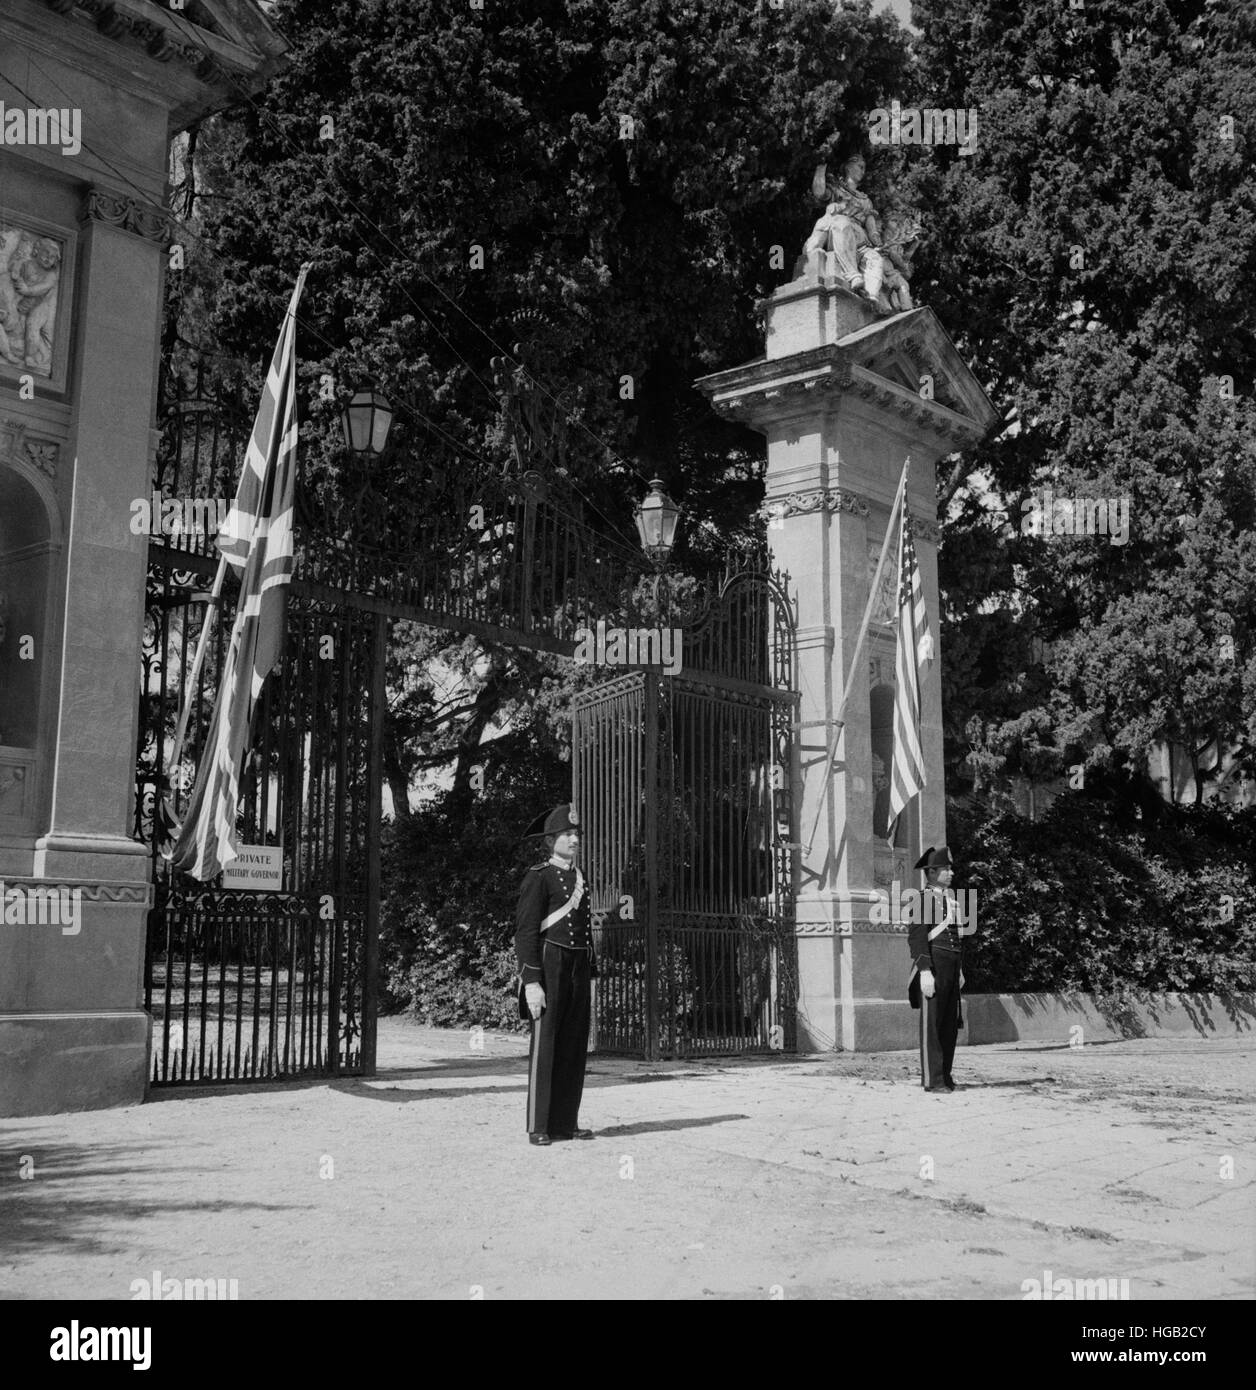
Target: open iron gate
(683,788)
(246,985)
(684,780)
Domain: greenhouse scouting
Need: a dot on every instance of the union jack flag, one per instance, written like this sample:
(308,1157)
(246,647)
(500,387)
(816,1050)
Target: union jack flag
(256,540)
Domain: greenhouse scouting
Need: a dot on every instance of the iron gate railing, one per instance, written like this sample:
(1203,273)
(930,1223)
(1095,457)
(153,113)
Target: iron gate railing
(224,968)
(684,781)
(257,985)
(253,986)
(683,787)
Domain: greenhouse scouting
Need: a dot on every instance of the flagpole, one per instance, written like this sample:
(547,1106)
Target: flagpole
(920,829)
(840,720)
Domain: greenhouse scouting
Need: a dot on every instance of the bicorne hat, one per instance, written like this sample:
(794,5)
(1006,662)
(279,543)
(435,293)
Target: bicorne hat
(934,859)
(560,819)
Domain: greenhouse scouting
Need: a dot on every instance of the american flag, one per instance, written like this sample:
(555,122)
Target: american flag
(256,541)
(914,647)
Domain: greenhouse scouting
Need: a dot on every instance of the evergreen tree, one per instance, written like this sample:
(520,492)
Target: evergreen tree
(532,225)
(1097,251)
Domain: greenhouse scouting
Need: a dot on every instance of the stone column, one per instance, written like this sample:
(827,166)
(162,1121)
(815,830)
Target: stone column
(93,779)
(76,445)
(76,1033)
(838,400)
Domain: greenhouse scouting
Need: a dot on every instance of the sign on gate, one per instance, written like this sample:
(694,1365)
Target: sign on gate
(259,867)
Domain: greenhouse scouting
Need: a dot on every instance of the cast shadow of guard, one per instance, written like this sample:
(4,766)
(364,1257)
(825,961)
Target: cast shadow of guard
(383,1086)
(666,1126)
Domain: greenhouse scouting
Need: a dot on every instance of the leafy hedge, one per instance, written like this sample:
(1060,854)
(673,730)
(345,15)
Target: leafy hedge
(451,881)
(1085,899)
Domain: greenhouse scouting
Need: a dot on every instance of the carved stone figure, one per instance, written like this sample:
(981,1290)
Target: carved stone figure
(874,263)
(849,229)
(902,231)
(12,324)
(30,272)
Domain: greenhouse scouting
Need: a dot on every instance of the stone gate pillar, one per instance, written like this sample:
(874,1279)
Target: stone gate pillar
(92,96)
(843,396)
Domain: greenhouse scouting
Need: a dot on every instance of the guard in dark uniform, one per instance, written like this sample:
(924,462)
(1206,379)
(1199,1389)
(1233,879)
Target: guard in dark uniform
(936,976)
(554,948)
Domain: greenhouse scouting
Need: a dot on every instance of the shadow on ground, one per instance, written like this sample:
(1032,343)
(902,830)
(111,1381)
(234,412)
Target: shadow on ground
(42,1212)
(662,1126)
(386,1079)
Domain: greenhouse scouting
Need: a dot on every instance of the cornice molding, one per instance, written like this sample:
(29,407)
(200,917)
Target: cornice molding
(167,37)
(923,530)
(128,215)
(849,928)
(914,409)
(88,891)
(820,499)
(838,499)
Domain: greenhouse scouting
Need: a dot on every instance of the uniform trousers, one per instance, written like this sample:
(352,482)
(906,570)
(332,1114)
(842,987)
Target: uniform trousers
(939,1018)
(560,1042)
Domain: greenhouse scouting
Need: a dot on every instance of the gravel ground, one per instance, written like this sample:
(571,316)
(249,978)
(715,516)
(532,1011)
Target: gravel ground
(821,1177)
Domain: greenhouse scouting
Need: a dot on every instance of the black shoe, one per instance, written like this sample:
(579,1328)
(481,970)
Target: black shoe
(938,1090)
(575,1134)
(948,1083)
(539,1139)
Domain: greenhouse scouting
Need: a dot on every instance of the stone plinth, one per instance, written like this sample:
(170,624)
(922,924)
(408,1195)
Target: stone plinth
(843,396)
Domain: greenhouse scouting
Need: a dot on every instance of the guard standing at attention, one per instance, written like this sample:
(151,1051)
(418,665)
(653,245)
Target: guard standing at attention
(934,940)
(554,948)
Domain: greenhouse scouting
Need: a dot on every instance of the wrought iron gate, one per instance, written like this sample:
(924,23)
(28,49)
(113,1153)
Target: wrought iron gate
(253,985)
(247,985)
(683,785)
(684,780)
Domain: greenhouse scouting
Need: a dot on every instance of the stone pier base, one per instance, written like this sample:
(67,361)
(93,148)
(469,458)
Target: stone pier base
(73,1031)
(55,1062)
(853,989)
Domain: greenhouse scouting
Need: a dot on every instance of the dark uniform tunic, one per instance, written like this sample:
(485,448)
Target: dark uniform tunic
(554,949)
(935,945)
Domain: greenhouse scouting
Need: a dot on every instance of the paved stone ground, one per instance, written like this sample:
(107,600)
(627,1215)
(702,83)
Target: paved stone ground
(801,1178)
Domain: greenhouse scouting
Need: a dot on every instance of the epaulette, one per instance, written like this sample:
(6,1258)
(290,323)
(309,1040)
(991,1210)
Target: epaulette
(533,867)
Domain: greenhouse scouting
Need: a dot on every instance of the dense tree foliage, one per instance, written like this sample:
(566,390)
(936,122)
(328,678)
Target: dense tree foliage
(1082,900)
(1097,252)
(622,169)
(532,224)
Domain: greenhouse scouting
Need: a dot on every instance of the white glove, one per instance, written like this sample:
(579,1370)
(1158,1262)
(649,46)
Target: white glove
(926,983)
(535,997)
(961,979)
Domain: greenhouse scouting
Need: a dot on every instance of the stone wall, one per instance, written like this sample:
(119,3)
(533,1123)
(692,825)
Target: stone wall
(1052,1018)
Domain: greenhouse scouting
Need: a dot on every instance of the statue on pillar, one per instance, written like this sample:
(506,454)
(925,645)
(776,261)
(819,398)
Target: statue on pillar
(903,232)
(874,263)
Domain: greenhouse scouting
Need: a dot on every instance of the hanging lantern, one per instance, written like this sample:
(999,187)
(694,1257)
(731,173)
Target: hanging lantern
(657,516)
(365,422)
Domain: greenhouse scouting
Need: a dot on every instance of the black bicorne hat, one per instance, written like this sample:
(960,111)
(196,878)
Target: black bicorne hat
(934,859)
(555,822)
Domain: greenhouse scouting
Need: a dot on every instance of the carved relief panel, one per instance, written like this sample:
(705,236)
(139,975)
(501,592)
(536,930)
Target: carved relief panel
(36,282)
